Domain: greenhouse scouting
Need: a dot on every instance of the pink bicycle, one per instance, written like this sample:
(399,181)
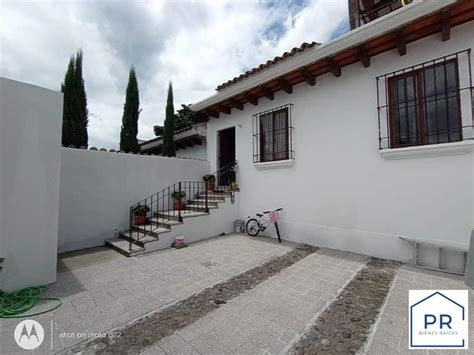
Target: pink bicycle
(262,220)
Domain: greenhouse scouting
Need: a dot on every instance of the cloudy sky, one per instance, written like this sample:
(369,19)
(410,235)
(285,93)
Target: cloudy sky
(195,44)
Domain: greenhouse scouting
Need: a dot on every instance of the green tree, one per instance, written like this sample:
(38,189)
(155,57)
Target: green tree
(81,108)
(68,119)
(184,117)
(75,113)
(128,134)
(169,149)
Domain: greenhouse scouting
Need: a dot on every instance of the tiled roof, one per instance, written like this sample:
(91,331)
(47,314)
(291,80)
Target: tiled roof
(187,128)
(269,63)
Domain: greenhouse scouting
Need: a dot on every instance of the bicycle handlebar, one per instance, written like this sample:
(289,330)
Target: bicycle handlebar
(277,210)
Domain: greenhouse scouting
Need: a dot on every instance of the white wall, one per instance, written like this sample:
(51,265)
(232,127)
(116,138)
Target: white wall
(195,152)
(194,229)
(341,192)
(30,140)
(98,188)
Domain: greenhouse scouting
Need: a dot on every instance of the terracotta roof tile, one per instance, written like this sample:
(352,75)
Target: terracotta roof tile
(269,63)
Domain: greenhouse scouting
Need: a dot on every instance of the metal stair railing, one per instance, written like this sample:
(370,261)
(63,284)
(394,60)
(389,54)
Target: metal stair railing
(225,175)
(162,208)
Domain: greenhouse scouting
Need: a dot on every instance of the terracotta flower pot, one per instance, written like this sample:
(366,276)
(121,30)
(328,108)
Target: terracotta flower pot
(210,185)
(178,204)
(140,220)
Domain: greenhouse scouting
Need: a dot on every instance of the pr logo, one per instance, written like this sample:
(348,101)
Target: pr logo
(438,319)
(29,334)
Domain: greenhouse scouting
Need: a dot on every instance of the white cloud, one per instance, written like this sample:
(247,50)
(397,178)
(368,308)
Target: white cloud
(196,44)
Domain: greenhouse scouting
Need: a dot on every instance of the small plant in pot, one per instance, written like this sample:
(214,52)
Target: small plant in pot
(139,213)
(178,199)
(210,181)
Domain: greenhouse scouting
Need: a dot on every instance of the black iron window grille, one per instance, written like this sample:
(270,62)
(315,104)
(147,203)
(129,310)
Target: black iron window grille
(273,135)
(422,104)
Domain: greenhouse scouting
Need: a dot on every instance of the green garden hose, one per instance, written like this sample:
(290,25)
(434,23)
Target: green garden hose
(14,305)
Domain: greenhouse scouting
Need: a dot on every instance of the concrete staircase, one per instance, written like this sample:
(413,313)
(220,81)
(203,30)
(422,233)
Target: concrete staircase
(157,233)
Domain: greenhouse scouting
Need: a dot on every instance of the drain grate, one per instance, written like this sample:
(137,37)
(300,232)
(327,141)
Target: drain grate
(209,264)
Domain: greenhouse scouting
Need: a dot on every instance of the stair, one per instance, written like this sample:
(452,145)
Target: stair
(133,243)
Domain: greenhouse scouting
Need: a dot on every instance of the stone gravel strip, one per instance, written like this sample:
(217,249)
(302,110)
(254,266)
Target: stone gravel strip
(346,324)
(157,325)
(269,318)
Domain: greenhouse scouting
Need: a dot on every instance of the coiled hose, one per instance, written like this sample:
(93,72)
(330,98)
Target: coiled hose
(14,305)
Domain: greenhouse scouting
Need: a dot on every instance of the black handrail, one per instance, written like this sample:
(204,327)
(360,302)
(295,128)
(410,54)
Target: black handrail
(166,206)
(222,171)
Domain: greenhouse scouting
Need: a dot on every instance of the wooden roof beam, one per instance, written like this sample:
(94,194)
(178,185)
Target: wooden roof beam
(202,116)
(445,26)
(188,143)
(212,113)
(267,93)
(252,99)
(363,56)
(307,76)
(285,85)
(224,109)
(334,67)
(401,44)
(197,141)
(238,105)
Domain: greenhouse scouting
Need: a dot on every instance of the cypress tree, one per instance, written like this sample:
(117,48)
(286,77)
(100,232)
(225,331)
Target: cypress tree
(169,149)
(81,111)
(128,134)
(75,113)
(68,119)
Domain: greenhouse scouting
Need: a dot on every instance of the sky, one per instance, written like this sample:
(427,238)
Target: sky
(195,44)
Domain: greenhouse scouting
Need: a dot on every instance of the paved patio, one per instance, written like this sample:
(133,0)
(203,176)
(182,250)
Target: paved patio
(391,333)
(270,317)
(102,290)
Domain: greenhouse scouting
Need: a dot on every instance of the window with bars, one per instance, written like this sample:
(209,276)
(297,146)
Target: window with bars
(422,104)
(273,135)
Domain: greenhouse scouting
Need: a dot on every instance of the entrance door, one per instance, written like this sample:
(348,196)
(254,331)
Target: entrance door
(226,141)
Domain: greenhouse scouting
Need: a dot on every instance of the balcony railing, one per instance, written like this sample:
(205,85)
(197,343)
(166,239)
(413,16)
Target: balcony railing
(374,10)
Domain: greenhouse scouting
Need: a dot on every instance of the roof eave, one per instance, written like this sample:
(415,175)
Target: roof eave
(383,25)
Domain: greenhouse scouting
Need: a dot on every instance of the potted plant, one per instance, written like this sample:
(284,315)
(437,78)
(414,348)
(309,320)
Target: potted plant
(210,181)
(139,213)
(178,199)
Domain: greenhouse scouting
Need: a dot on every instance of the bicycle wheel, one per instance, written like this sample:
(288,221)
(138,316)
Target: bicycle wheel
(252,227)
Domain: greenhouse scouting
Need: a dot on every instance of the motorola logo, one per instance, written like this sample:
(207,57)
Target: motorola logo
(29,334)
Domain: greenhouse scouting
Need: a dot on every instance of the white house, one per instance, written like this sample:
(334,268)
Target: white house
(190,142)
(361,140)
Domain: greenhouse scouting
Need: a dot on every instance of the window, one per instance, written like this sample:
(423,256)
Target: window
(425,106)
(421,104)
(272,135)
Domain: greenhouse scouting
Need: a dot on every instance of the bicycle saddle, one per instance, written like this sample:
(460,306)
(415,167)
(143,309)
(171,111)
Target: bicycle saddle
(259,215)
